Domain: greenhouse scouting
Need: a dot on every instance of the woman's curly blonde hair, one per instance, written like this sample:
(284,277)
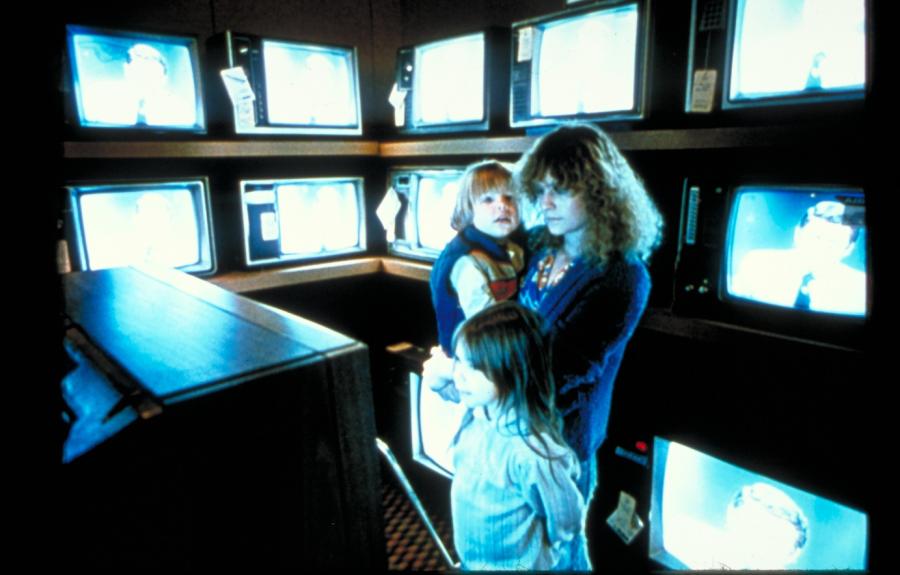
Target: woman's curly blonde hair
(582,159)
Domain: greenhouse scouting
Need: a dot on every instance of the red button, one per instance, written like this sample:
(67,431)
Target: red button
(641,446)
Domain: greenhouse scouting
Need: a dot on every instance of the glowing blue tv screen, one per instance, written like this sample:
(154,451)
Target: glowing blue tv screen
(434,201)
(584,64)
(448,85)
(799,248)
(161,223)
(296,219)
(434,423)
(707,514)
(791,48)
(310,85)
(133,80)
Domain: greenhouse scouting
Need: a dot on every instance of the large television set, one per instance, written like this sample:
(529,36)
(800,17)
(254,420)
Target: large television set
(455,84)
(160,222)
(126,80)
(287,220)
(785,257)
(709,514)
(588,63)
(763,53)
(427,197)
(297,87)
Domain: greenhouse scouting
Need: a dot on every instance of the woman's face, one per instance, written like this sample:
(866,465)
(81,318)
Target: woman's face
(564,211)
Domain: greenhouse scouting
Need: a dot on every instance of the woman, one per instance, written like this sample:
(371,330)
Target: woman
(587,277)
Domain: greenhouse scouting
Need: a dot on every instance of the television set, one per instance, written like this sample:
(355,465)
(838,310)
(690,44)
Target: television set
(427,196)
(709,514)
(288,220)
(297,87)
(762,53)
(160,222)
(434,424)
(455,84)
(787,257)
(587,63)
(122,80)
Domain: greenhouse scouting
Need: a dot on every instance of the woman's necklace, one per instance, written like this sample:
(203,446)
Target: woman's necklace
(546,276)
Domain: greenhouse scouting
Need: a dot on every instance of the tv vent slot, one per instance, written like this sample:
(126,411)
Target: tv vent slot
(712,16)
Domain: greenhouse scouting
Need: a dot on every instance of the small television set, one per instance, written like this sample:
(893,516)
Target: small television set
(784,257)
(301,219)
(587,63)
(297,87)
(427,197)
(762,53)
(708,514)
(434,424)
(455,84)
(160,222)
(123,80)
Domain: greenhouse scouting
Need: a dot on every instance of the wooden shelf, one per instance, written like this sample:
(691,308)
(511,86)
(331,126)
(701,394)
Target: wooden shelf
(243,282)
(641,140)
(666,322)
(218,149)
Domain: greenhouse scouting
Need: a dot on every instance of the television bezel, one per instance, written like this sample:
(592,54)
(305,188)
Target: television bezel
(359,184)
(413,248)
(655,546)
(642,64)
(75,233)
(721,59)
(72,113)
(267,128)
(495,84)
(700,289)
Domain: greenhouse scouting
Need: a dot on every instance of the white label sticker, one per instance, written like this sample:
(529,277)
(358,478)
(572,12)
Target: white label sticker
(387,213)
(397,99)
(624,521)
(703,91)
(269,224)
(237,85)
(244,114)
(525,44)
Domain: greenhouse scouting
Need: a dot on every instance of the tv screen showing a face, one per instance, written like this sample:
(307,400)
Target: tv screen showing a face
(799,248)
(131,80)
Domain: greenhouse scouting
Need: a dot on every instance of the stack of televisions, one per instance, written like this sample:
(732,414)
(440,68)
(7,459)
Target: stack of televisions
(587,63)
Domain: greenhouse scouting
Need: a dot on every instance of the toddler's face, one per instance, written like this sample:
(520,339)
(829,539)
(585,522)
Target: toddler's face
(495,213)
(474,387)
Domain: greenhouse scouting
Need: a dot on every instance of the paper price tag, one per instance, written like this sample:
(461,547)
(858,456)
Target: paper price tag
(703,91)
(525,44)
(624,521)
(387,213)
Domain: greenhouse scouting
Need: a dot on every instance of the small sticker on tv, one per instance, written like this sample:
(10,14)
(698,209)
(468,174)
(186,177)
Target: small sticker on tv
(526,44)
(704,91)
(269,225)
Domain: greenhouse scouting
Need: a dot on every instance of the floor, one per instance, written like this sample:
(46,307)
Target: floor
(409,544)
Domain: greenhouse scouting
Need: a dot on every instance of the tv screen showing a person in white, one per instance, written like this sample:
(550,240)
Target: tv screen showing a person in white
(823,270)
